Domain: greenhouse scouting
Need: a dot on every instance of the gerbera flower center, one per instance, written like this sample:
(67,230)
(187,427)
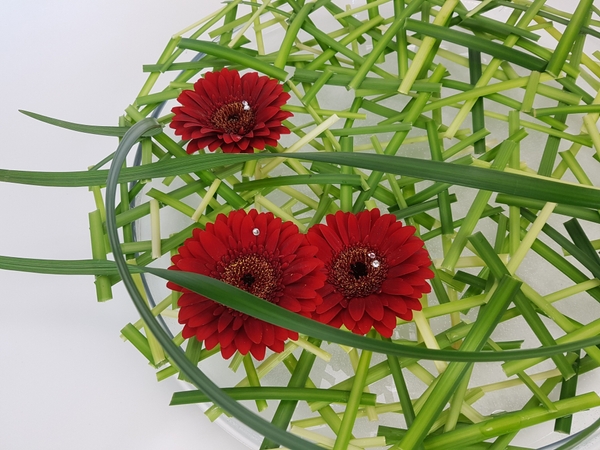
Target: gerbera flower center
(254,273)
(234,118)
(357,271)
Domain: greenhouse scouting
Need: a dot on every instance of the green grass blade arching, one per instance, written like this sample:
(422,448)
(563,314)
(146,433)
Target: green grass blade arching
(539,188)
(256,307)
(81,128)
(178,357)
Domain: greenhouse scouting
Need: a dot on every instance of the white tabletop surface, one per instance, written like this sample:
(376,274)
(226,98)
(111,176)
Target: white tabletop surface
(67,381)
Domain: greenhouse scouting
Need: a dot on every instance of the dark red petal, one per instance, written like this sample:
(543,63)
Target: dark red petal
(364,224)
(227,352)
(288,229)
(187,312)
(273,231)
(261,223)
(238,322)
(402,269)
(396,286)
(349,322)
(246,232)
(374,307)
(281,333)
(188,332)
(365,324)
(223,84)
(397,239)
(221,230)
(404,252)
(268,334)
(258,143)
(353,231)
(258,351)
(316,239)
(413,303)
(379,229)
(211,341)
(331,316)
(191,298)
(332,239)
(290,303)
(242,342)
(398,305)
(230,148)
(408,315)
(254,330)
(197,250)
(291,244)
(329,302)
(193,265)
(356,308)
(300,291)
(417,278)
(342,228)
(213,246)
(234,222)
(277,346)
(214,145)
(224,320)
(389,319)
(202,319)
(299,269)
(227,337)
(383,330)
(203,332)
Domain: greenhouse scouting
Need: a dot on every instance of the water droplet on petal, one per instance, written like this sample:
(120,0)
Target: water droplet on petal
(376,264)
(246,105)
(371,255)
(255,231)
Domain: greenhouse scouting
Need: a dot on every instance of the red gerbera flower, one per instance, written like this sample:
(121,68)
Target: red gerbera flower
(236,114)
(376,271)
(260,254)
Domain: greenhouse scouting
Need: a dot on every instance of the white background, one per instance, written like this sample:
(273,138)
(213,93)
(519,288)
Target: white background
(67,381)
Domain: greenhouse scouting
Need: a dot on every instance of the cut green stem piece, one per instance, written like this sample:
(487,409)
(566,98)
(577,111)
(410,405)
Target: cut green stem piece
(291,33)
(477,207)
(102,282)
(499,51)
(234,56)
(380,46)
(530,91)
(402,390)
(345,431)
(372,129)
(567,109)
(253,379)
(498,269)
(582,242)
(560,54)
(511,422)
(568,390)
(426,47)
(477,113)
(275,393)
(286,408)
(448,381)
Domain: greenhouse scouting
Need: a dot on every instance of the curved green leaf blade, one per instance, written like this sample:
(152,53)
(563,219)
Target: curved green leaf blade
(247,303)
(90,129)
(540,188)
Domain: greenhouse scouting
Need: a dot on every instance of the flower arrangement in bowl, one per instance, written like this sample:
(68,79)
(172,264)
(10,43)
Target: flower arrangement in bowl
(381,221)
